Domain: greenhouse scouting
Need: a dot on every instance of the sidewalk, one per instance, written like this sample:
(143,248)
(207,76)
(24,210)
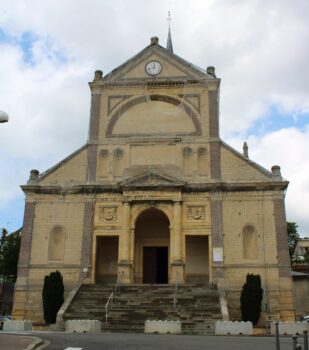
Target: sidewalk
(18,342)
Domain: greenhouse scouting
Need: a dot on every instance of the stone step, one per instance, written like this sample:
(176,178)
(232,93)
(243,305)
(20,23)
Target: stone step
(197,306)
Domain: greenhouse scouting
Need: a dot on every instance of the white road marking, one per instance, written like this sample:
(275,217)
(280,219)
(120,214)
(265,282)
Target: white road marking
(73,349)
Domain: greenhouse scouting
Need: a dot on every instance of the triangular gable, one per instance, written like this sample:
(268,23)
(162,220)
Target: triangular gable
(173,66)
(61,172)
(151,179)
(257,171)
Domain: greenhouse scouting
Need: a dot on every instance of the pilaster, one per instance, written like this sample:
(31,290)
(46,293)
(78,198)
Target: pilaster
(177,263)
(287,310)
(217,239)
(87,241)
(124,262)
(21,286)
(93,135)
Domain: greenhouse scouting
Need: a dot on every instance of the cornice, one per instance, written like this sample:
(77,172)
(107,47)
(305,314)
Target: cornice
(150,83)
(202,187)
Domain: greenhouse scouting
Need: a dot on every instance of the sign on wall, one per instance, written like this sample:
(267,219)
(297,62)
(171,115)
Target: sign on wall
(217,254)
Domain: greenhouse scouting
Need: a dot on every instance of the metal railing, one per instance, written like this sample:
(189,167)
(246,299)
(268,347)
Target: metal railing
(109,305)
(175,291)
(110,300)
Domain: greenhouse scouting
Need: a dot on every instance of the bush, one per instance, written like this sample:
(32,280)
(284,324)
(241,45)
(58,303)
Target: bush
(52,295)
(251,299)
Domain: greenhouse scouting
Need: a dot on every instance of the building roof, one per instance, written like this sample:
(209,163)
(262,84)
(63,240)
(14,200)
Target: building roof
(154,45)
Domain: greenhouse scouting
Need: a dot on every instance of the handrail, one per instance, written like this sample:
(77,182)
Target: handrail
(175,291)
(110,299)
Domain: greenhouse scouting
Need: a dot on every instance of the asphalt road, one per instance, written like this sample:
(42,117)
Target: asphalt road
(120,341)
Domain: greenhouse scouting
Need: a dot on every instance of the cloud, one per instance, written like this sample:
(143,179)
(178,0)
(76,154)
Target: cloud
(49,50)
(287,148)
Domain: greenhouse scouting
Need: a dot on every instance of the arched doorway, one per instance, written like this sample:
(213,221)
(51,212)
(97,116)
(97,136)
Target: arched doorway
(152,241)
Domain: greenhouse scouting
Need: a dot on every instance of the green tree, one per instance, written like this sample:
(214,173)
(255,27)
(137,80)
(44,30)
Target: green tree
(293,237)
(251,299)
(52,295)
(9,252)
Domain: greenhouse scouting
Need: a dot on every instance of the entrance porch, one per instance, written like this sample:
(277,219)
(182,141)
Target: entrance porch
(152,249)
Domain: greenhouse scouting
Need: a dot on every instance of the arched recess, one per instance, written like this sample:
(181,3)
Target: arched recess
(151,247)
(118,162)
(104,162)
(202,161)
(122,109)
(188,161)
(249,240)
(56,244)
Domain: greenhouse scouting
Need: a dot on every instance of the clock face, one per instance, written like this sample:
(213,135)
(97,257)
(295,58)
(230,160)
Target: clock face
(153,68)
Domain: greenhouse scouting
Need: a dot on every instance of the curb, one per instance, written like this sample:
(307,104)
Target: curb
(35,344)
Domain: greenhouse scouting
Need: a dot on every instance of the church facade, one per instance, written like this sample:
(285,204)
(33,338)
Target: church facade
(155,196)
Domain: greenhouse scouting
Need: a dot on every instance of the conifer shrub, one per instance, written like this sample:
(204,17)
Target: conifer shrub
(251,299)
(52,295)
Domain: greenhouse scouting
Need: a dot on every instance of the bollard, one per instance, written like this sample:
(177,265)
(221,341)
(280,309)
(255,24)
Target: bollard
(294,340)
(306,340)
(277,335)
(298,347)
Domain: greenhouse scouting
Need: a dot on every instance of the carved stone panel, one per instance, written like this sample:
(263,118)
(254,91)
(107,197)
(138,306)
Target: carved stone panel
(196,213)
(108,213)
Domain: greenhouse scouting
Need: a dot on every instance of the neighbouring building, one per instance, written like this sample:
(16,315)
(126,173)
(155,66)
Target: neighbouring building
(302,248)
(301,293)
(155,196)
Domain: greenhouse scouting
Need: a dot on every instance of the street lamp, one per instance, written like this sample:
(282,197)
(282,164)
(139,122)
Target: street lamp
(4,117)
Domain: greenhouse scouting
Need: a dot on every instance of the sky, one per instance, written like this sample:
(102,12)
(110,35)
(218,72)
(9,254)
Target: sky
(49,50)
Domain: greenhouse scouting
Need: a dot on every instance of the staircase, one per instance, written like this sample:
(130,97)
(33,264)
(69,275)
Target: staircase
(197,306)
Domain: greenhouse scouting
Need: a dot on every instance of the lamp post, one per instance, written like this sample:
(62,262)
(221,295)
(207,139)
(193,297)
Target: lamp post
(4,117)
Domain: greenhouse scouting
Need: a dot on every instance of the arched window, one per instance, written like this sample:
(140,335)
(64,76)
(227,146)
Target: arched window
(249,238)
(202,164)
(56,243)
(187,161)
(118,162)
(104,162)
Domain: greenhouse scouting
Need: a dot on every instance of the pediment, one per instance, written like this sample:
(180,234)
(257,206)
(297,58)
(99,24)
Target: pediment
(152,179)
(173,67)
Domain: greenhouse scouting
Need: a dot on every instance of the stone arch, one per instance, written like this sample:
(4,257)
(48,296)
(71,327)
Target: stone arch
(139,209)
(151,246)
(249,242)
(154,97)
(56,243)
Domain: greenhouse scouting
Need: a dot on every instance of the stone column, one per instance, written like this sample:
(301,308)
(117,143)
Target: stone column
(124,262)
(177,270)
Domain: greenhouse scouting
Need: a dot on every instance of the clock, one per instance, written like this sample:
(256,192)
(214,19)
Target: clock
(153,68)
